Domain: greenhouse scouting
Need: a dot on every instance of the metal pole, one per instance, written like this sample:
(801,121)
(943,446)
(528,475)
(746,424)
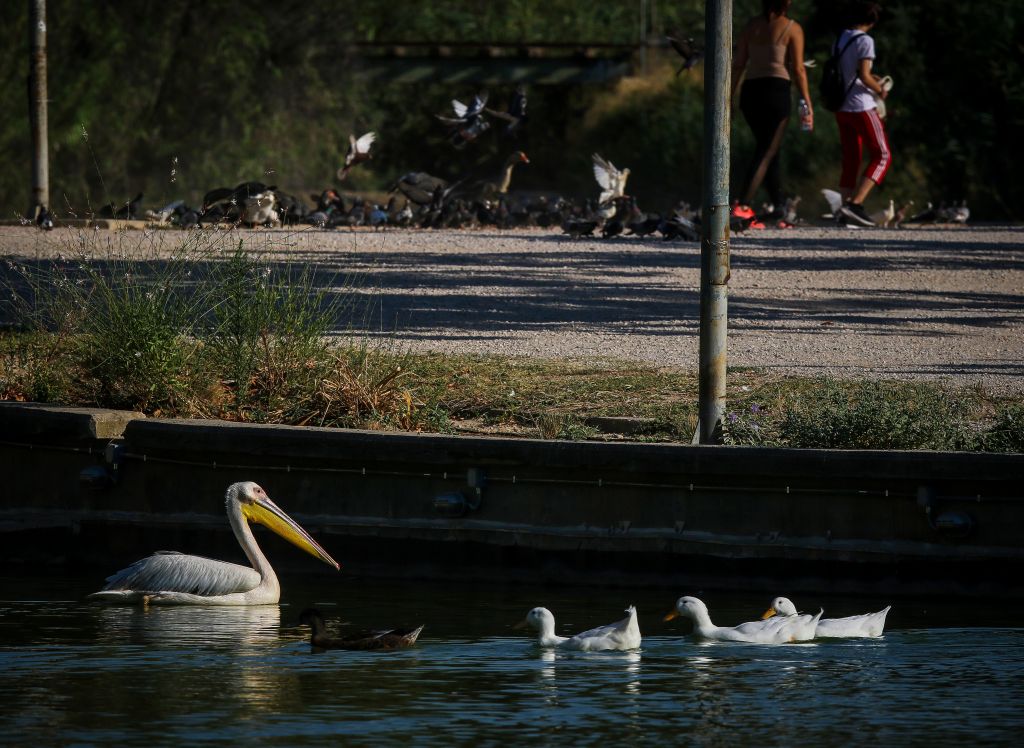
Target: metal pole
(714,246)
(37,107)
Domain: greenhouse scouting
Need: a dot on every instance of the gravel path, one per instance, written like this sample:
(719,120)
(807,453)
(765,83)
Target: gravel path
(937,304)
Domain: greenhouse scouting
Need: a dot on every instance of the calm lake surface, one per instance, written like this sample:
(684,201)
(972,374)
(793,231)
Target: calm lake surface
(76,673)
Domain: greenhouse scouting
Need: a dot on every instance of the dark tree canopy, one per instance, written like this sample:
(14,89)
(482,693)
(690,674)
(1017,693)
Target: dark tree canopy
(176,97)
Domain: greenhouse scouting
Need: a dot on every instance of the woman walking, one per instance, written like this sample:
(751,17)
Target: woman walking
(769,48)
(859,123)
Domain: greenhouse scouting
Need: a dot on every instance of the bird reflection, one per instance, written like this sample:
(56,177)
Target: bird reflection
(710,676)
(546,677)
(244,628)
(633,673)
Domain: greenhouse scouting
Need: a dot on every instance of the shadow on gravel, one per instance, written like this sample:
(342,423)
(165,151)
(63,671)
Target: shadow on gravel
(626,285)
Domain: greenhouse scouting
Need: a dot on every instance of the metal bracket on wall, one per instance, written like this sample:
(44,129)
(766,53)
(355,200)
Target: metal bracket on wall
(101,477)
(951,523)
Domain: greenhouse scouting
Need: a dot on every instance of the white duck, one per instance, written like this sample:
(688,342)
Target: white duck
(885,216)
(804,624)
(852,627)
(612,182)
(778,631)
(620,636)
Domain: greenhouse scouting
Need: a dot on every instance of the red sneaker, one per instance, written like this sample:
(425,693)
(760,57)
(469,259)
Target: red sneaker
(755,224)
(783,224)
(742,211)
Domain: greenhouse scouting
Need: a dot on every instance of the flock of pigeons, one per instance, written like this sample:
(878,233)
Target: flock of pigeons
(419,199)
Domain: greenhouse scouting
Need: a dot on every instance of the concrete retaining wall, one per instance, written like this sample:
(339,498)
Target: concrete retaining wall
(413,504)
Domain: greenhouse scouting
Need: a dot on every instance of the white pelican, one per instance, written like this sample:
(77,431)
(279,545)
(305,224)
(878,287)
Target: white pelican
(867,625)
(776,631)
(172,578)
(623,635)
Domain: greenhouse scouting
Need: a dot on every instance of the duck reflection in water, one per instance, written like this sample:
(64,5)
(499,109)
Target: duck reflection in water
(380,639)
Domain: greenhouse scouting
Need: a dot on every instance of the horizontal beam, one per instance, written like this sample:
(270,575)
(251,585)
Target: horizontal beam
(491,70)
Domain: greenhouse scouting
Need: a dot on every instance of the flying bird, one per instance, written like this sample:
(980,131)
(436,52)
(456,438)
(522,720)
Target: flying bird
(612,182)
(687,50)
(468,123)
(516,113)
(358,151)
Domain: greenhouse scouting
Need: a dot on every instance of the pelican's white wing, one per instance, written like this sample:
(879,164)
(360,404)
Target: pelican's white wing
(170,571)
(363,144)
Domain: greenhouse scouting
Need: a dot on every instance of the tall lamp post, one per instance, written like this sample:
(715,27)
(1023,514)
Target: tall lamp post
(714,245)
(37,107)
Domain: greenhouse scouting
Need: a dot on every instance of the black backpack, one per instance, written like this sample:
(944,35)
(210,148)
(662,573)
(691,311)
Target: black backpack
(833,89)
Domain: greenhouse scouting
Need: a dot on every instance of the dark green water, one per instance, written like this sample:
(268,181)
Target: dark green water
(76,673)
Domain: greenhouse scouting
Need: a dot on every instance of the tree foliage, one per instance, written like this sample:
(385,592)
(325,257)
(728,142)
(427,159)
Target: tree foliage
(177,97)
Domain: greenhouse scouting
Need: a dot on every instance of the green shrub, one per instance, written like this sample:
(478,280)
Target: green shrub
(265,335)
(875,415)
(1007,433)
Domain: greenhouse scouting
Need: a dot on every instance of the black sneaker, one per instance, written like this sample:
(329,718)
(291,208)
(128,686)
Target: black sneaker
(856,213)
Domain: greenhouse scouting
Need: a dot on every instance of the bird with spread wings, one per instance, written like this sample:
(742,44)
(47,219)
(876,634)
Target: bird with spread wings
(358,151)
(612,182)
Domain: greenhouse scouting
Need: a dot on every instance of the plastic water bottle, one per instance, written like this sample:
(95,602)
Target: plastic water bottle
(805,115)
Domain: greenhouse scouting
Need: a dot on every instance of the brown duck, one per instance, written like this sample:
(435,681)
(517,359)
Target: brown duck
(383,639)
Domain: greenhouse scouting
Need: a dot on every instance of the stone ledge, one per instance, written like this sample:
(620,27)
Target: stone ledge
(21,420)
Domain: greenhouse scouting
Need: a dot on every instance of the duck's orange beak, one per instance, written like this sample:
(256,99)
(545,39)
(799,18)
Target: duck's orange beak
(768,614)
(670,615)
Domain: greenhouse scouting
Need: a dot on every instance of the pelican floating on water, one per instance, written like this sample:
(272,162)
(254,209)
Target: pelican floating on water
(172,578)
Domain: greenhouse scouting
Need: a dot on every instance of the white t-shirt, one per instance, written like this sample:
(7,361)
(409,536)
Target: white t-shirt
(860,98)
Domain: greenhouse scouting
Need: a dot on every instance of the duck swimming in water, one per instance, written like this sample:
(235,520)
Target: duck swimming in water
(773,631)
(621,636)
(383,639)
(864,626)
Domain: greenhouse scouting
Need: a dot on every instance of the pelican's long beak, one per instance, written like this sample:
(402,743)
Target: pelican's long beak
(271,516)
(768,614)
(670,615)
